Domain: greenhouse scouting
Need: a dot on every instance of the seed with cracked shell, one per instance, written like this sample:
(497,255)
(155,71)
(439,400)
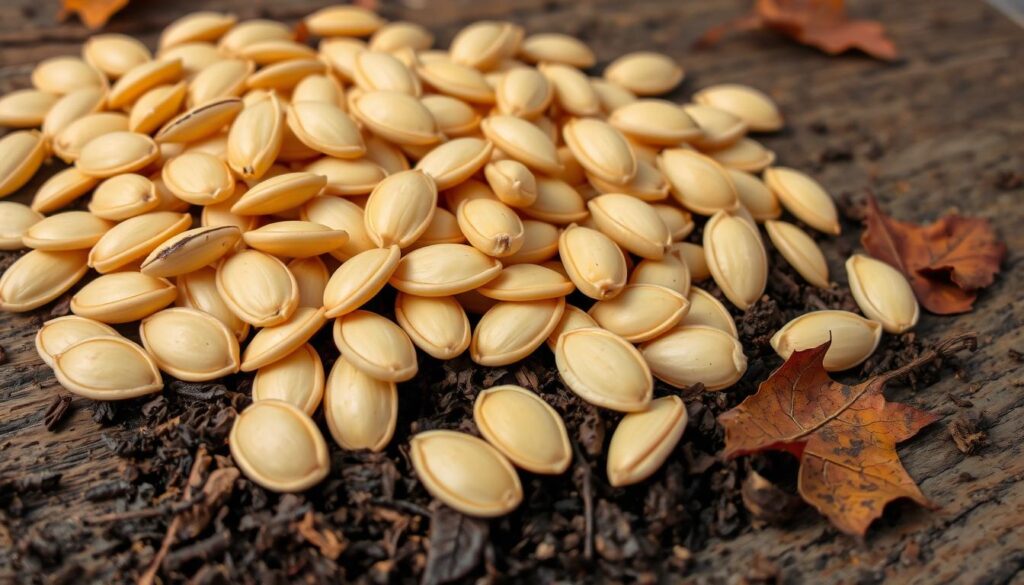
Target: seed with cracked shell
(736,258)
(361,412)
(593,261)
(524,428)
(223,79)
(443,270)
(437,325)
(70,230)
(882,293)
(121,297)
(258,288)
(107,368)
(297,379)
(279,447)
(510,331)
(276,342)
(641,312)
(853,337)
(800,250)
(190,250)
(604,369)
(642,441)
(695,354)
(190,345)
(376,346)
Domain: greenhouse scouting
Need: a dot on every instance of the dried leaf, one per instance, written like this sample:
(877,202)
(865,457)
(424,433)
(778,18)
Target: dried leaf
(456,546)
(945,262)
(818,23)
(845,436)
(94,13)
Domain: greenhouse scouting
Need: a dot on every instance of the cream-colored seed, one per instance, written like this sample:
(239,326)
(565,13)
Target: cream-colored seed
(573,92)
(443,229)
(312,277)
(400,208)
(117,152)
(340,54)
(698,182)
(437,325)
(15,220)
(71,107)
(524,92)
(107,368)
(123,196)
(510,331)
(695,259)
(670,272)
(453,116)
(853,337)
(882,293)
(115,54)
(604,369)
(800,250)
(736,258)
(39,277)
(142,78)
(557,202)
(540,243)
(491,226)
(343,21)
(156,106)
(58,334)
(258,288)
(641,312)
(401,34)
(360,411)
(253,31)
(274,343)
(645,73)
(223,79)
(527,282)
(255,138)
(285,75)
(642,441)
(61,189)
(695,354)
(197,26)
(648,184)
(359,279)
(379,71)
(678,221)
(750,105)
(594,262)
(572,318)
(295,239)
(25,108)
(63,75)
(612,96)
(512,182)
(376,346)
(276,51)
(340,214)
(444,270)
(557,48)
(460,81)
(71,140)
(465,473)
(455,161)
(484,44)
(524,428)
(522,141)
(804,197)
(21,154)
(219,215)
(297,379)
(705,309)
(386,155)
(631,223)
(657,122)
(198,290)
(279,193)
(122,297)
(397,117)
(190,345)
(744,155)
(601,149)
(194,56)
(719,128)
(190,250)
(323,88)
(347,176)
(71,230)
(279,447)
(201,121)
(755,196)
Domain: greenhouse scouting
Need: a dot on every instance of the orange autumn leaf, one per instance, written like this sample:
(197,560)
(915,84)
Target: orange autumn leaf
(823,24)
(94,13)
(945,262)
(845,436)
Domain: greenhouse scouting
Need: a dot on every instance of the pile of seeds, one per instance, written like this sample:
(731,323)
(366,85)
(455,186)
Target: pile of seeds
(254,182)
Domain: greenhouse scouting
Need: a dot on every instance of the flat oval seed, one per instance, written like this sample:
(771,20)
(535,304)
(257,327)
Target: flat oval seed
(63,75)
(117,152)
(641,312)
(512,182)
(25,108)
(669,272)
(443,229)
(527,282)
(340,54)
(255,138)
(465,473)
(749,104)
(437,325)
(400,208)
(378,71)
(800,250)
(275,52)
(359,279)
(343,21)
(443,270)
(573,92)
(455,161)
(201,121)
(155,107)
(454,117)
(744,155)
(397,117)
(755,196)
(804,197)
(142,78)
(460,81)
(557,48)
(347,176)
(122,297)
(197,26)
(199,178)
(693,256)
(194,56)
(694,354)
(705,309)
(71,230)
(524,428)
(648,184)
(15,220)
(107,368)
(698,182)
(258,288)
(600,149)
(70,142)
(376,346)
(190,345)
(719,128)
(642,441)
(190,250)
(223,79)
(491,226)
(398,35)
(604,369)
(594,262)
(678,221)
(71,107)
(655,122)
(360,411)
(39,277)
(325,128)
(882,293)
(198,290)
(123,196)
(485,43)
(524,92)
(279,193)
(295,239)
(612,96)
(510,331)
(523,141)
(557,202)
(340,214)
(540,243)
(279,447)
(573,318)
(56,335)
(61,189)
(853,337)
(645,73)
(322,88)
(274,343)
(736,258)
(285,75)
(253,31)
(631,223)
(297,379)
(21,153)
(312,277)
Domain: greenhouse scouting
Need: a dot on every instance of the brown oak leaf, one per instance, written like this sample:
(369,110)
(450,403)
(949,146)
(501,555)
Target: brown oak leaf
(845,436)
(94,13)
(818,23)
(945,262)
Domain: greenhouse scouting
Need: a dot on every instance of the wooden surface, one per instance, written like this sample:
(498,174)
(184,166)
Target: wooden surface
(941,129)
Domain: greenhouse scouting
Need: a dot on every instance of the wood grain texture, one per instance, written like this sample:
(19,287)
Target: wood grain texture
(931,133)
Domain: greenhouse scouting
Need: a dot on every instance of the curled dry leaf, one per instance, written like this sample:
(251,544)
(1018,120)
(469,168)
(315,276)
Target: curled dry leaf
(845,436)
(94,13)
(945,262)
(822,24)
